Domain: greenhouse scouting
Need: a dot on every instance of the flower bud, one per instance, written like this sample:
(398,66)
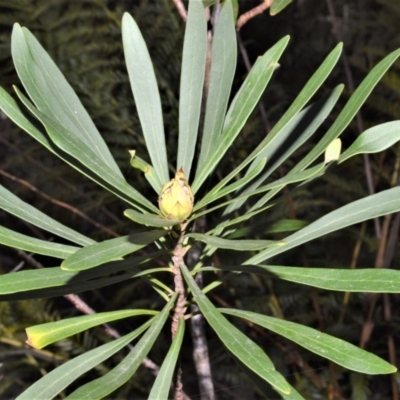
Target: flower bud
(176,198)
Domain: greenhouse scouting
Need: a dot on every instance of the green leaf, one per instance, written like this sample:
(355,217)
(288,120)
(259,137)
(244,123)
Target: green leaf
(307,174)
(363,280)
(248,352)
(217,191)
(12,204)
(162,384)
(383,203)
(149,171)
(283,225)
(373,140)
(192,80)
(264,388)
(40,283)
(33,279)
(57,380)
(278,5)
(238,245)
(53,281)
(350,109)
(53,95)
(119,375)
(42,335)
(295,127)
(286,225)
(109,250)
(306,122)
(150,219)
(146,94)
(242,106)
(334,349)
(37,246)
(12,110)
(76,148)
(223,65)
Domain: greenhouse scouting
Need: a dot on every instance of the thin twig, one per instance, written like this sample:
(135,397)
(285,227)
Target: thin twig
(59,203)
(247,16)
(181,9)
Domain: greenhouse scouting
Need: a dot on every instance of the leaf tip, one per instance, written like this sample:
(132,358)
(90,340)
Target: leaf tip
(33,340)
(332,152)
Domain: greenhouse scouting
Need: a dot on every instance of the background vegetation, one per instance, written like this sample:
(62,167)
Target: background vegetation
(84,39)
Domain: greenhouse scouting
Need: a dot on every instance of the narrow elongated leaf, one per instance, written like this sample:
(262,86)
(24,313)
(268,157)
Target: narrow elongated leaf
(365,280)
(192,80)
(308,174)
(385,202)
(150,219)
(248,352)
(147,98)
(42,335)
(27,243)
(12,204)
(294,128)
(57,380)
(310,119)
(149,172)
(76,148)
(109,250)
(283,225)
(162,384)
(230,244)
(33,279)
(242,106)
(278,5)
(216,193)
(53,281)
(286,225)
(350,109)
(300,127)
(327,346)
(300,176)
(53,95)
(10,107)
(60,285)
(223,65)
(115,378)
(373,140)
(264,388)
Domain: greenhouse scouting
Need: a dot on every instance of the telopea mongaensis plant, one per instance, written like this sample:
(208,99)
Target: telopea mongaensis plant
(169,219)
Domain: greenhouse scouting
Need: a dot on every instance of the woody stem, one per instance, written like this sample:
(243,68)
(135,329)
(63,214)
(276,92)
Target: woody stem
(181,304)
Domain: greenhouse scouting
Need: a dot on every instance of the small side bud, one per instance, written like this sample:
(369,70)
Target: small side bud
(176,198)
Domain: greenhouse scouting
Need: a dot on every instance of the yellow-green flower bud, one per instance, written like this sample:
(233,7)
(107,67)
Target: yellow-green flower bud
(176,198)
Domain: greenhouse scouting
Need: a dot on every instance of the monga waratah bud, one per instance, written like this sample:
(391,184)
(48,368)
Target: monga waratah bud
(176,198)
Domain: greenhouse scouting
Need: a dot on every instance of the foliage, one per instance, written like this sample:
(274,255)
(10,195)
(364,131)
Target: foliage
(232,206)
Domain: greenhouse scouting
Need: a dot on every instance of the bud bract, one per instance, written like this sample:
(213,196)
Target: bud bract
(176,198)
